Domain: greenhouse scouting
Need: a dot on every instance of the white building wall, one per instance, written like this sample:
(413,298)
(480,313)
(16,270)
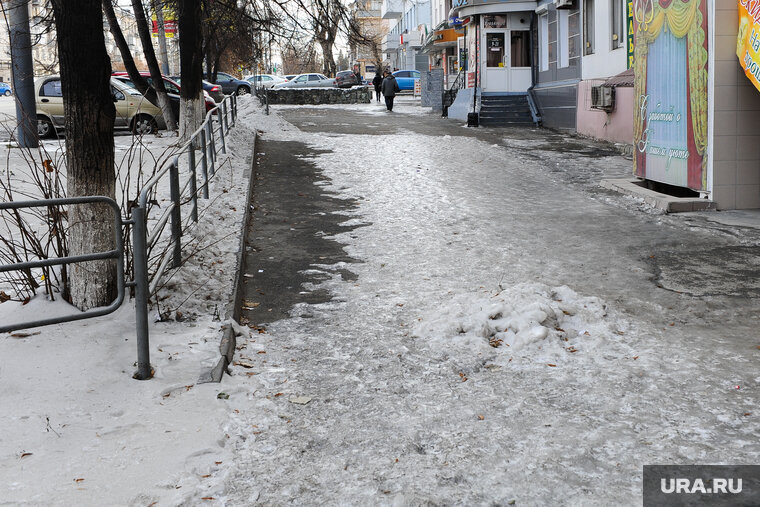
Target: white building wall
(605,61)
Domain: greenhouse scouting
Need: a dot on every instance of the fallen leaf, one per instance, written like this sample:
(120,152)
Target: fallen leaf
(205,476)
(635,357)
(261,352)
(481,417)
(207,498)
(24,335)
(248,305)
(251,373)
(277,395)
(463,376)
(551,364)
(746,414)
(300,400)
(79,480)
(4,297)
(25,454)
(244,364)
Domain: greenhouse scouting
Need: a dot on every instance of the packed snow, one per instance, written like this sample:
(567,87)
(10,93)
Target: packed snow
(503,342)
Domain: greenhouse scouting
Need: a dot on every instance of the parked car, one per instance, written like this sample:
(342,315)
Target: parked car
(215,91)
(265,80)
(231,84)
(290,77)
(173,90)
(307,81)
(406,78)
(5,89)
(346,79)
(133,111)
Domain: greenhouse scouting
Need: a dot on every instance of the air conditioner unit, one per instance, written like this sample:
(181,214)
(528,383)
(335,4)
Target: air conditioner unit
(603,97)
(563,4)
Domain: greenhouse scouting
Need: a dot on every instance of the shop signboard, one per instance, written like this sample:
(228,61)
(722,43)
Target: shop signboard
(629,24)
(670,116)
(748,40)
(170,23)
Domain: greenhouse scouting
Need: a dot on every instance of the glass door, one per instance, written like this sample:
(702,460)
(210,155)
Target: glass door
(496,61)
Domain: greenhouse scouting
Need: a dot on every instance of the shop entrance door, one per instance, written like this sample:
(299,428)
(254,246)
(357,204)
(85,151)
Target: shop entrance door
(496,61)
(506,61)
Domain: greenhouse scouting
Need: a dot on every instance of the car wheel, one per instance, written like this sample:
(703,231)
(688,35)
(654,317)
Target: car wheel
(243,90)
(45,128)
(144,124)
(7,93)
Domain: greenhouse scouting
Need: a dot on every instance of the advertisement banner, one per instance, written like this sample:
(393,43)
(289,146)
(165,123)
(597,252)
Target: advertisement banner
(748,40)
(170,23)
(670,86)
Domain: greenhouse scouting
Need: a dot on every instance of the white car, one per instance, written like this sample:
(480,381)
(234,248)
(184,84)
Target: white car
(265,80)
(312,80)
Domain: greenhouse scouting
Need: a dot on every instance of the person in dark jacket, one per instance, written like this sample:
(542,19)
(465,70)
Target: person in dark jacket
(390,88)
(376,82)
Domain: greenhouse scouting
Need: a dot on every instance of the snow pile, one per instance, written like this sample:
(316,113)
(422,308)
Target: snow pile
(69,409)
(530,321)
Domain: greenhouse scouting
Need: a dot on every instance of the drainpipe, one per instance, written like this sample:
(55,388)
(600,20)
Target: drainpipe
(472,118)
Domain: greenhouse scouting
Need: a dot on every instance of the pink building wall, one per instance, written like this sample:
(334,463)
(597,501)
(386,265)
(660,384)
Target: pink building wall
(616,126)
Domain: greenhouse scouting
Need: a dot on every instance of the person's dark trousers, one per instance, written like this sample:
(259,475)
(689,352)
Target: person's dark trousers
(389,103)
(377,95)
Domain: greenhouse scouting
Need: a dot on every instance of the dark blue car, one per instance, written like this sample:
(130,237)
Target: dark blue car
(406,78)
(5,89)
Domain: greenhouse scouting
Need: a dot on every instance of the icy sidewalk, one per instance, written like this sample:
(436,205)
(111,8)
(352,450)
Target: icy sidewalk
(504,339)
(76,428)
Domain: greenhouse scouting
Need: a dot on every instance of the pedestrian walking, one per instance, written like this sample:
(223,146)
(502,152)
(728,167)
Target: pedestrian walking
(390,88)
(376,82)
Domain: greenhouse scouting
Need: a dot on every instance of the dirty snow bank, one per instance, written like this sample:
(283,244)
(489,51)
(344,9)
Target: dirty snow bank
(77,430)
(529,321)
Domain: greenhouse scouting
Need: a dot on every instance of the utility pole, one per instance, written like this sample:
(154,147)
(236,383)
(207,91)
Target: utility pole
(23,73)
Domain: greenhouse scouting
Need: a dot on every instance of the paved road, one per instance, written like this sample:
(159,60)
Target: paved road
(379,240)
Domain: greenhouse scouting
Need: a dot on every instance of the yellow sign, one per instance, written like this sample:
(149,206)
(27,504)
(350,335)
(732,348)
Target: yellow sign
(170,23)
(748,40)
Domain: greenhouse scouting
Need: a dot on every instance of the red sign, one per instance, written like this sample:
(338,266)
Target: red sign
(470,80)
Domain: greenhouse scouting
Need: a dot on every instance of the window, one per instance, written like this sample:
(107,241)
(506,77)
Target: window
(563,39)
(301,79)
(543,57)
(588,27)
(495,49)
(313,77)
(170,88)
(519,44)
(617,34)
(117,95)
(266,78)
(52,88)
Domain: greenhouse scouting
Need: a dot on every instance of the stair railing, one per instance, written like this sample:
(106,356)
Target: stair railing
(451,94)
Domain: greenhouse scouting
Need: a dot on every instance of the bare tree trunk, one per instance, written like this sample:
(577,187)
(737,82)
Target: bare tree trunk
(192,105)
(129,63)
(158,8)
(328,65)
(155,71)
(89,117)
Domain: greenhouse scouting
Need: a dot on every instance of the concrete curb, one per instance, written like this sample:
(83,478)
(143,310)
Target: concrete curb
(232,310)
(667,203)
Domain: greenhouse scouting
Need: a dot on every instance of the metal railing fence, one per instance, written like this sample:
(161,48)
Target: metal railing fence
(143,240)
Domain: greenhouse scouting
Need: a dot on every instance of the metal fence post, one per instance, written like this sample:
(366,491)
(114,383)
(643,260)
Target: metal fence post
(225,123)
(176,214)
(204,164)
(233,110)
(221,130)
(266,101)
(212,143)
(140,260)
(193,181)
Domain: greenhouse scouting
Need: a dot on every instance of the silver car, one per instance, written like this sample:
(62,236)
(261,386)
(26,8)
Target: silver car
(312,80)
